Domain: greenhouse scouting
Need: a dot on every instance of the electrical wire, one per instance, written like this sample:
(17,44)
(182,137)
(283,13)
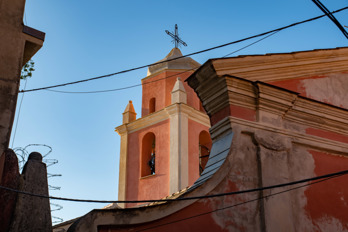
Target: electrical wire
(122,88)
(19,112)
(330,16)
(232,206)
(257,41)
(150,82)
(333,175)
(180,57)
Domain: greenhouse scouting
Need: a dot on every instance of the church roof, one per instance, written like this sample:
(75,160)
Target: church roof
(185,63)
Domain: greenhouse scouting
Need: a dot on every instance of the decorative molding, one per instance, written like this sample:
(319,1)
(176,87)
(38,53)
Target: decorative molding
(273,105)
(163,115)
(220,129)
(297,137)
(275,67)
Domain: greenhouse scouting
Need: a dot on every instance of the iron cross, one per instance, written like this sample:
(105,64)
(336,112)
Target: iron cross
(175,36)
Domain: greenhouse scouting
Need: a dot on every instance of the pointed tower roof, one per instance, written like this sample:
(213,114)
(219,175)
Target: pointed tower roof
(179,92)
(184,63)
(129,107)
(129,114)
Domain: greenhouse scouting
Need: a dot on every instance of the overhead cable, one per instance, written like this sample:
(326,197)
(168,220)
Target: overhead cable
(232,206)
(180,57)
(330,16)
(333,175)
(159,79)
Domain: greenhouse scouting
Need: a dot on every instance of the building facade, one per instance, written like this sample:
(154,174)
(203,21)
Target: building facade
(275,119)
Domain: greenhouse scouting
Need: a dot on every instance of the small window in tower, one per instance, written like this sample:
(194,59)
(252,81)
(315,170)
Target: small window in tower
(152,105)
(148,155)
(204,150)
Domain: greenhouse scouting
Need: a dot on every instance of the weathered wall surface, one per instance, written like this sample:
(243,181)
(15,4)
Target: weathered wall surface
(8,179)
(33,213)
(18,44)
(327,202)
(11,57)
(259,157)
(330,88)
(21,212)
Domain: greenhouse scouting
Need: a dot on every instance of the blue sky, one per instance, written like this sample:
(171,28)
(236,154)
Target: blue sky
(86,39)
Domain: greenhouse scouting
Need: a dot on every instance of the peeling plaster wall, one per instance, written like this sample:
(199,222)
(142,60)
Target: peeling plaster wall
(327,202)
(331,89)
(302,165)
(243,175)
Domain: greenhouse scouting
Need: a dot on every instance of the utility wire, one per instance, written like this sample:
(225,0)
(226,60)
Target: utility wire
(330,16)
(150,82)
(19,112)
(191,54)
(232,206)
(331,175)
(122,88)
(257,41)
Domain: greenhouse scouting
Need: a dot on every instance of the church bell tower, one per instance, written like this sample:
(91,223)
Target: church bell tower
(164,150)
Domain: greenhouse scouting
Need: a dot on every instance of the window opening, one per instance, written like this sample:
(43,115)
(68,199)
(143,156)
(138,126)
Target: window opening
(151,162)
(148,161)
(152,105)
(204,150)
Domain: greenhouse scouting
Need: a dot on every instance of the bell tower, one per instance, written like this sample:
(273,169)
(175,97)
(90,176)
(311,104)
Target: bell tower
(160,151)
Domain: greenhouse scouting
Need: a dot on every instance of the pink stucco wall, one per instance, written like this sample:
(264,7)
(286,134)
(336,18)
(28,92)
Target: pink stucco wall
(150,187)
(161,86)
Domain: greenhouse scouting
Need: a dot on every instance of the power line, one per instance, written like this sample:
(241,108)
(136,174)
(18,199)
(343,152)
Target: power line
(331,175)
(257,41)
(122,88)
(191,54)
(232,206)
(19,112)
(150,82)
(330,16)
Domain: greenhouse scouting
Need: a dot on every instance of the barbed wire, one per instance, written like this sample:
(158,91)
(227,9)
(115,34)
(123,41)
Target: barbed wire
(23,154)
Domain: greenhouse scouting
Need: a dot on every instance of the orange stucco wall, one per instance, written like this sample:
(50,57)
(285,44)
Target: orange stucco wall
(181,219)
(327,135)
(235,111)
(157,186)
(327,201)
(150,187)
(161,86)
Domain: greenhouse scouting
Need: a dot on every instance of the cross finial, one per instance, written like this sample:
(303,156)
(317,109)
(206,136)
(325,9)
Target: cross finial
(175,36)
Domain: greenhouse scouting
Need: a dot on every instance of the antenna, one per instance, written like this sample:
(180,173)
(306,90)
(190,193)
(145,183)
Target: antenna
(176,39)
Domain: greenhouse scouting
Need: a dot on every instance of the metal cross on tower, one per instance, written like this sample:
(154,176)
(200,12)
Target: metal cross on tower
(175,36)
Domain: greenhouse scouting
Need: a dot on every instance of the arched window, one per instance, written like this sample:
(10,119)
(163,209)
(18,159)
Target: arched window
(148,154)
(204,150)
(152,105)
